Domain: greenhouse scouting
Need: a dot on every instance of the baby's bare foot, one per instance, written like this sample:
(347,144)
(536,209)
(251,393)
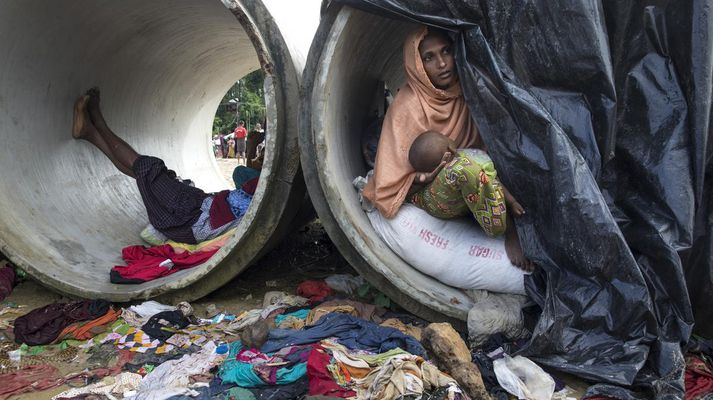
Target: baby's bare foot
(79,123)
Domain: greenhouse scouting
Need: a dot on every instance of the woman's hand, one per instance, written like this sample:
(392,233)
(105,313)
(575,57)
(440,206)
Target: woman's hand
(424,179)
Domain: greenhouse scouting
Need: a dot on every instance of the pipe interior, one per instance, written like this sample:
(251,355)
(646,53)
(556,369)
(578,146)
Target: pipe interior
(360,51)
(162,66)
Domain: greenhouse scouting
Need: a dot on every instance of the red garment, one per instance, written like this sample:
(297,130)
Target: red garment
(314,290)
(144,263)
(7,279)
(250,186)
(699,378)
(29,379)
(320,380)
(240,132)
(220,213)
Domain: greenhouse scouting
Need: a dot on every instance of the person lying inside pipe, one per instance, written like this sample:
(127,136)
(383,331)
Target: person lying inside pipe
(431,100)
(175,208)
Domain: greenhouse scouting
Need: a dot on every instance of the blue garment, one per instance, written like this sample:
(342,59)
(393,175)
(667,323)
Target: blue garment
(202,229)
(242,374)
(239,201)
(352,332)
(243,174)
(301,314)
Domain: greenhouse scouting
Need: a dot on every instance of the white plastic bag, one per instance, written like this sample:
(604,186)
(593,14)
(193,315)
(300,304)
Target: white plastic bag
(523,378)
(150,308)
(495,313)
(455,251)
(344,283)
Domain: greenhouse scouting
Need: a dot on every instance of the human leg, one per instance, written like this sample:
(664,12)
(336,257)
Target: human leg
(84,128)
(241,151)
(493,205)
(513,248)
(484,197)
(121,153)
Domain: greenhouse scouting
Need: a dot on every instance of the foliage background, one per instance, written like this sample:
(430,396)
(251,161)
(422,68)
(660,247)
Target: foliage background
(249,93)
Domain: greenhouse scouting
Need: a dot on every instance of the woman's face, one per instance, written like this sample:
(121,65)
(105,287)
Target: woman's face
(437,58)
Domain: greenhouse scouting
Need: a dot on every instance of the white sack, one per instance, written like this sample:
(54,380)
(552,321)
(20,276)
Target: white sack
(456,251)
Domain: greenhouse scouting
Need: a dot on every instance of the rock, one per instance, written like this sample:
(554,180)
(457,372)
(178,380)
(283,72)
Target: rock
(211,310)
(468,377)
(255,335)
(452,356)
(445,343)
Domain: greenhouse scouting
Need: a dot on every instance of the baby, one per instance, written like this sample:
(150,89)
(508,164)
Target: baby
(469,184)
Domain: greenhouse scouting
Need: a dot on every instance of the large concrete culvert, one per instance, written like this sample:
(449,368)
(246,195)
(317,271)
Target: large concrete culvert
(163,67)
(351,53)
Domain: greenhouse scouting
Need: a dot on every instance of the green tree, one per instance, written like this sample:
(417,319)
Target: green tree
(249,93)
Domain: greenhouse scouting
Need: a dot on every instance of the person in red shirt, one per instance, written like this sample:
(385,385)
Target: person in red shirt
(239,135)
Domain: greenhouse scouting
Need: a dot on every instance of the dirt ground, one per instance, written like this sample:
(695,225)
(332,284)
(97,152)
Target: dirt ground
(227,165)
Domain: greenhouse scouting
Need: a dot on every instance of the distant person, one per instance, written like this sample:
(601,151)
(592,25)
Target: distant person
(256,136)
(239,135)
(217,150)
(256,163)
(231,148)
(223,146)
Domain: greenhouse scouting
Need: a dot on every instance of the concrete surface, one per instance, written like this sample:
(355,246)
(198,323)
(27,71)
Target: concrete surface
(163,66)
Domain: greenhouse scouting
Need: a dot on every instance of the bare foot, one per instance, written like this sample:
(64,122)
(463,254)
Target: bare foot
(513,249)
(93,107)
(79,123)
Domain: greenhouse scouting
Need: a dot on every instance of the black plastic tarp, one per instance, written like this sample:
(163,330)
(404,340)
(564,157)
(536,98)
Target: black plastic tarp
(597,116)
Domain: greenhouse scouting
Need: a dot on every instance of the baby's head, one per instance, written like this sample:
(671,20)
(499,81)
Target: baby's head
(427,151)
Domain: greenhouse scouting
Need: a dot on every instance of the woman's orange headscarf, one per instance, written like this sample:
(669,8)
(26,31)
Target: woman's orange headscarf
(418,107)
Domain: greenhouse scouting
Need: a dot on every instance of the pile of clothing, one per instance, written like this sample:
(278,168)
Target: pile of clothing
(312,344)
(325,341)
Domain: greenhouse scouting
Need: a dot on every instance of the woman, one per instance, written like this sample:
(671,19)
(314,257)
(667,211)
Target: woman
(431,100)
(231,148)
(255,137)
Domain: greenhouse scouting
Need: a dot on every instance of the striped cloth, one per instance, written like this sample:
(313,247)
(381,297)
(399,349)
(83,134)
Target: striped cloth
(172,206)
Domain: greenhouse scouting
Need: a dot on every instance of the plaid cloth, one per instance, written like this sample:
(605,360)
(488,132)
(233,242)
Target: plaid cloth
(172,206)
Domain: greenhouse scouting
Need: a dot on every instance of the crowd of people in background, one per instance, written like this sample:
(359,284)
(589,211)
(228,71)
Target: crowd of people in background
(247,147)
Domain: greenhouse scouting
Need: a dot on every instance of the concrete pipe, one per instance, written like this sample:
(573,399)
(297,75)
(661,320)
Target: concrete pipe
(163,67)
(353,52)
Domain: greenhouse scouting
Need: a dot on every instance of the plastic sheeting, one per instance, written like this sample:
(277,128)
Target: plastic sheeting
(597,116)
